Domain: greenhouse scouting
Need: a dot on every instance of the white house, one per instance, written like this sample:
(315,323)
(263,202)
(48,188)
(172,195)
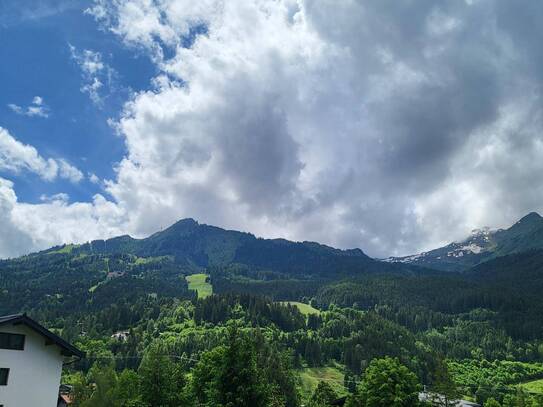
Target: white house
(31,359)
(121,336)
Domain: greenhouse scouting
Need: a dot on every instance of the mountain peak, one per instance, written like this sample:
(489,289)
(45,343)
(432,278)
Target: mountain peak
(181,227)
(528,222)
(185,222)
(531,217)
(483,244)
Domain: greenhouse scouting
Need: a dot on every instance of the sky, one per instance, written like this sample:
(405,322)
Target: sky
(392,126)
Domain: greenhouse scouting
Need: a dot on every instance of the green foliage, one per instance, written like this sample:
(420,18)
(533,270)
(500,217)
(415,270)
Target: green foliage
(200,283)
(310,377)
(491,402)
(82,391)
(534,386)
(162,381)
(151,342)
(305,309)
(444,390)
(473,374)
(103,387)
(230,376)
(521,398)
(323,396)
(128,391)
(387,383)
(104,382)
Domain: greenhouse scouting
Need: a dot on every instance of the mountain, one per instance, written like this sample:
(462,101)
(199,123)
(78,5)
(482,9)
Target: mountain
(101,273)
(483,245)
(104,272)
(197,245)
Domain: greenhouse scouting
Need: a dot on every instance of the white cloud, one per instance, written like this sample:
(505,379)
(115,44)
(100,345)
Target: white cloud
(16,157)
(370,124)
(17,109)
(93,178)
(36,108)
(63,197)
(31,227)
(69,172)
(297,114)
(95,73)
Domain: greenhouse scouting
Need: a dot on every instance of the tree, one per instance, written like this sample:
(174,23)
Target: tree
(228,375)
(81,389)
(275,366)
(323,396)
(205,375)
(486,391)
(444,390)
(128,389)
(491,402)
(520,399)
(103,380)
(349,381)
(387,383)
(162,381)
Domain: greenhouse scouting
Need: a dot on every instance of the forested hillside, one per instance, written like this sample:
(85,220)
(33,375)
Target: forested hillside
(193,245)
(152,341)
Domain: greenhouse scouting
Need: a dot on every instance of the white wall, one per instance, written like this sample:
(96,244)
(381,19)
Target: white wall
(34,375)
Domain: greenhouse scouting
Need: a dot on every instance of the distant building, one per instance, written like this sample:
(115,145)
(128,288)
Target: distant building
(423,396)
(432,397)
(121,336)
(31,359)
(115,274)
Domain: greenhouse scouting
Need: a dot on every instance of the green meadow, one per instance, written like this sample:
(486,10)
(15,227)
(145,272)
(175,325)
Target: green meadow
(305,309)
(198,283)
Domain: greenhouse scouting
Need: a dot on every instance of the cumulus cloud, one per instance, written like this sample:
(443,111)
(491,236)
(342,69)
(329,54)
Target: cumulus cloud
(93,178)
(31,227)
(36,108)
(16,157)
(394,126)
(63,197)
(97,75)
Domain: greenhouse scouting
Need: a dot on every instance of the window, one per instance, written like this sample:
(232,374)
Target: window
(12,341)
(4,373)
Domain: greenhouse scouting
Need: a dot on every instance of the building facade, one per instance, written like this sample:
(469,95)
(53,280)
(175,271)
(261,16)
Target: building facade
(31,360)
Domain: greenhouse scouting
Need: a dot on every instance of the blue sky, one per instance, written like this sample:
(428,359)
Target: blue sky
(35,37)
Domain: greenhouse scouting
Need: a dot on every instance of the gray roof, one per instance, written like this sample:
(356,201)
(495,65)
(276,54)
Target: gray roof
(425,396)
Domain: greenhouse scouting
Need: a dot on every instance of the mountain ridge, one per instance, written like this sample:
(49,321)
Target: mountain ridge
(200,245)
(484,244)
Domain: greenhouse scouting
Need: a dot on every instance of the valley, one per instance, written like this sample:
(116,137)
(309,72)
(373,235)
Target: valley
(192,297)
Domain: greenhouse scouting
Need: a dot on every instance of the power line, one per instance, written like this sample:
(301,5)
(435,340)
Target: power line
(508,388)
(139,357)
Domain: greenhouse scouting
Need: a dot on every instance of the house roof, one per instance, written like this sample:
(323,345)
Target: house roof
(67,348)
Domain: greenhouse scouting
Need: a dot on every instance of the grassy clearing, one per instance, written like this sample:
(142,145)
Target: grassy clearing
(147,260)
(66,249)
(198,282)
(305,309)
(535,386)
(310,377)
